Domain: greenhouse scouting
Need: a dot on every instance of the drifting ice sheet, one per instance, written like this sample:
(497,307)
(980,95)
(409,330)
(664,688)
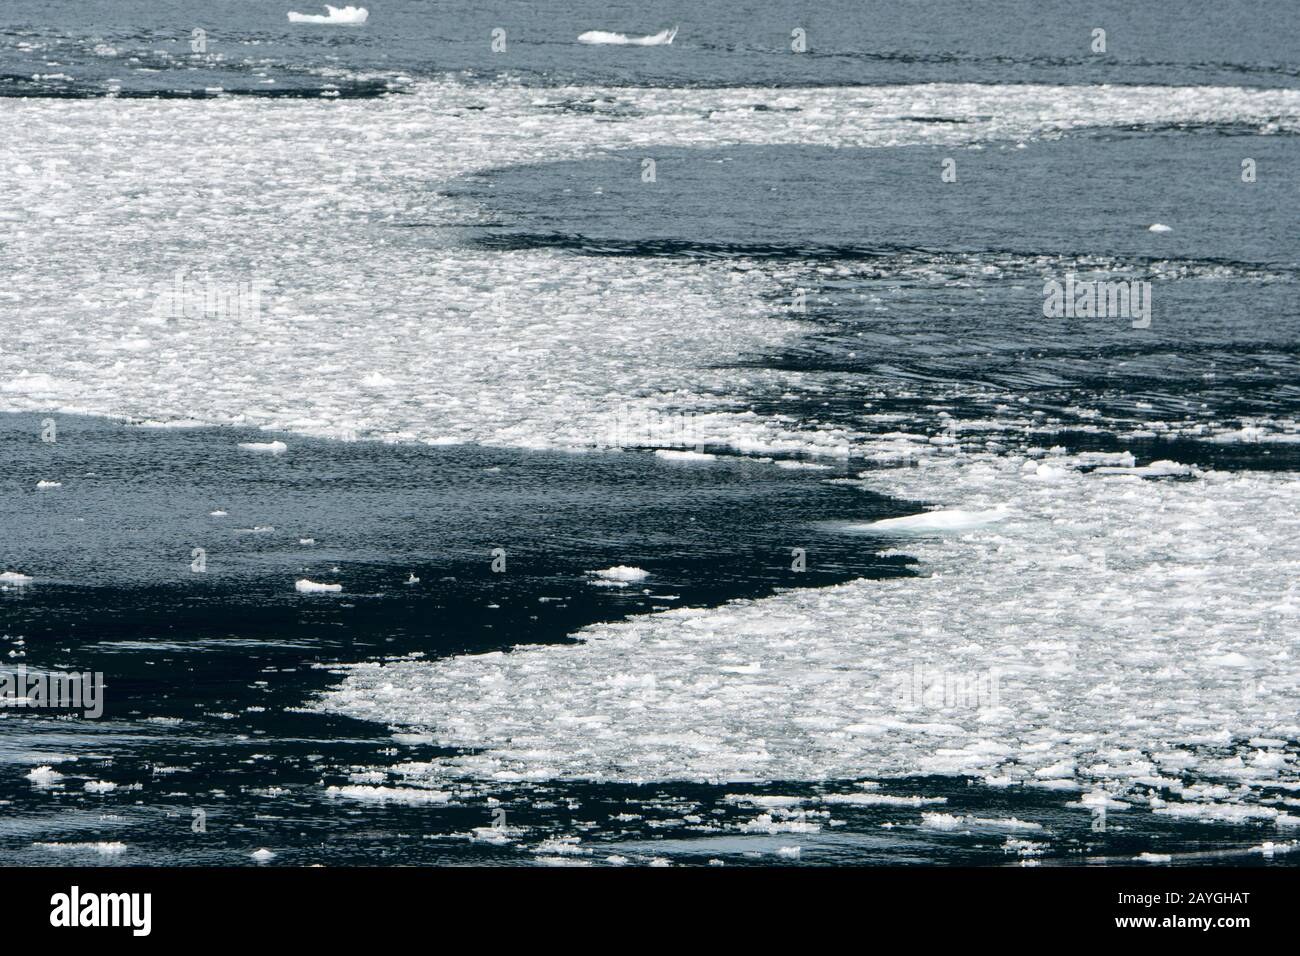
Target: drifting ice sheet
(602,37)
(1078,616)
(346,16)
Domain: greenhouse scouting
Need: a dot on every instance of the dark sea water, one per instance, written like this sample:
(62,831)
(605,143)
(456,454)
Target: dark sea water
(924,307)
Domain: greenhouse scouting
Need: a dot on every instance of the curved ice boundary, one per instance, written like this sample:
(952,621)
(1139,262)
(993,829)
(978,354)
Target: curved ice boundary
(1121,636)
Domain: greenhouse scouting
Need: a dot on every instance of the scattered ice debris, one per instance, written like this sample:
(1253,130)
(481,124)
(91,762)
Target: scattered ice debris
(1023,847)
(34,384)
(99,786)
(619,576)
(304,586)
(345,16)
(603,37)
(1270,849)
(265,447)
(562,846)
(781,821)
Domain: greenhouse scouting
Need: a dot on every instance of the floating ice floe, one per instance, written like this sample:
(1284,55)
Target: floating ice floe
(619,576)
(670,454)
(1131,632)
(605,38)
(948,519)
(345,16)
(412,796)
(265,447)
(104,848)
(42,484)
(16,578)
(44,776)
(951,822)
(870,799)
(1159,227)
(304,586)
(1157,469)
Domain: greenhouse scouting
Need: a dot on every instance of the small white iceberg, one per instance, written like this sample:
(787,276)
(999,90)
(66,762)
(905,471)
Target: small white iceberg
(604,38)
(44,777)
(262,855)
(16,578)
(619,576)
(412,579)
(950,519)
(669,454)
(1159,227)
(347,16)
(303,586)
(49,484)
(1157,469)
(265,447)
